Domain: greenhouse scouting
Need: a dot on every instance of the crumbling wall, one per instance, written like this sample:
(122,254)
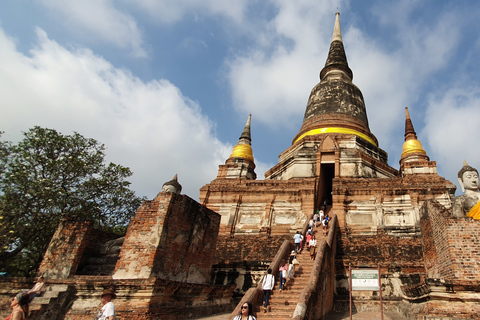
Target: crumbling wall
(66,249)
(451,244)
(171,237)
(400,260)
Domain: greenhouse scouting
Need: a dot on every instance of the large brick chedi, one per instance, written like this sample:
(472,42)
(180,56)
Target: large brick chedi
(333,160)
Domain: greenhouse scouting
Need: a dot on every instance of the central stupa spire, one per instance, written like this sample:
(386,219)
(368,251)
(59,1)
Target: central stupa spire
(337,32)
(336,105)
(337,59)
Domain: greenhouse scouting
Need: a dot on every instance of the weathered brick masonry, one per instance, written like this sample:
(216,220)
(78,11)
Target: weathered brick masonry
(66,249)
(451,245)
(148,299)
(247,248)
(163,271)
(400,260)
(171,237)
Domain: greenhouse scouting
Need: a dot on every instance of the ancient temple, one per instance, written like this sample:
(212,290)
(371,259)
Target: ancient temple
(334,158)
(333,148)
(181,259)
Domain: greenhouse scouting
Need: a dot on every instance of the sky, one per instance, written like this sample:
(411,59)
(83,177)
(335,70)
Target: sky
(167,86)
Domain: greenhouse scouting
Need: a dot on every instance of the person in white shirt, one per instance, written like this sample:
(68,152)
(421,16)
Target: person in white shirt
(108,310)
(267,286)
(37,288)
(313,248)
(324,226)
(291,265)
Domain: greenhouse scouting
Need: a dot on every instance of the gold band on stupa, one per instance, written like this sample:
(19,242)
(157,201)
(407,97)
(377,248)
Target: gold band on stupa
(411,146)
(336,130)
(242,151)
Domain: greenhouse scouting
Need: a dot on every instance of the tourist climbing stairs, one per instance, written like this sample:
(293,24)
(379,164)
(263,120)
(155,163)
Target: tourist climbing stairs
(283,303)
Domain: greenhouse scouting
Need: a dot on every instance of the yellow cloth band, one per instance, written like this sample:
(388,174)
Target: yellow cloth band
(242,151)
(475,212)
(336,130)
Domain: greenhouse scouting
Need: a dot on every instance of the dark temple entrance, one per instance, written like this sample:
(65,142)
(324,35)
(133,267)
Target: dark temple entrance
(327,173)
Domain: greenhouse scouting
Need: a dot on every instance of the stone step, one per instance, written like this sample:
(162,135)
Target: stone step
(281,297)
(57,287)
(49,294)
(284,301)
(41,301)
(277,316)
(52,292)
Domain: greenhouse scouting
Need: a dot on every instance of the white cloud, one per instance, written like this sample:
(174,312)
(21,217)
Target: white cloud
(453,129)
(168,11)
(99,19)
(150,127)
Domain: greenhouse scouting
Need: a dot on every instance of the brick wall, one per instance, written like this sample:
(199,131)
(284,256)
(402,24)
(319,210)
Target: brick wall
(150,299)
(400,260)
(434,240)
(463,237)
(137,299)
(383,249)
(171,237)
(451,245)
(65,250)
(247,248)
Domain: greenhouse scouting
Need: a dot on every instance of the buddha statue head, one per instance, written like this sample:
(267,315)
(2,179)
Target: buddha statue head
(468,177)
(172,186)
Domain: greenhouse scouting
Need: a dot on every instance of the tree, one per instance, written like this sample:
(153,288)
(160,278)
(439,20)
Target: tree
(47,177)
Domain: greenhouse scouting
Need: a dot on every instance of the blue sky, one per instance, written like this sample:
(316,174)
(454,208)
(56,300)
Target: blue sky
(168,85)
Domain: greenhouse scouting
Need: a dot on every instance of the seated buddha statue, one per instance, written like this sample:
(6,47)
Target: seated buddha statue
(468,204)
(172,186)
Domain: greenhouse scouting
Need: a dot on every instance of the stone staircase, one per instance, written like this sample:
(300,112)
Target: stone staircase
(50,304)
(282,304)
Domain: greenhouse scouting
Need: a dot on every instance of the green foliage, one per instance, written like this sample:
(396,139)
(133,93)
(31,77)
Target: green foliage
(47,177)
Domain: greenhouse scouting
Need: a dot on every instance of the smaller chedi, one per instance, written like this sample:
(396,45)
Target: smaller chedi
(172,186)
(468,204)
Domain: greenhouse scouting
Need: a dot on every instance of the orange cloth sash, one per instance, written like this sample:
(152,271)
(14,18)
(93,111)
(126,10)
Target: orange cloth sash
(475,212)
